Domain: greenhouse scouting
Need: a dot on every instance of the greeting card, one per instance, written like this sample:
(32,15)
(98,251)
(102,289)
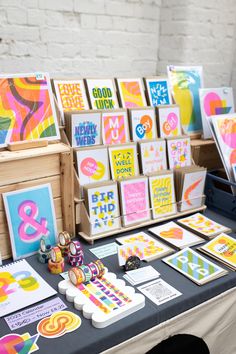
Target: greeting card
(214,102)
(127,250)
(202,225)
(115,127)
(30,215)
(153,155)
(142,123)
(92,165)
(194,266)
(169,121)
(162,194)
(27,110)
(131,92)
(102,204)
(123,161)
(134,200)
(185,82)
(83,128)
(175,235)
(158,91)
(153,248)
(102,93)
(179,152)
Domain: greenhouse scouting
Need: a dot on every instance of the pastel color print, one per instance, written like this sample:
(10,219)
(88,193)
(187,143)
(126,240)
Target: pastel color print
(131,93)
(135,200)
(213,104)
(153,156)
(26,110)
(179,153)
(114,129)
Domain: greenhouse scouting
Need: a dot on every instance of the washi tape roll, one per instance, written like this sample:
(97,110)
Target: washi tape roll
(45,244)
(87,272)
(43,257)
(101,268)
(77,260)
(75,248)
(56,255)
(64,238)
(64,249)
(94,270)
(56,267)
(76,276)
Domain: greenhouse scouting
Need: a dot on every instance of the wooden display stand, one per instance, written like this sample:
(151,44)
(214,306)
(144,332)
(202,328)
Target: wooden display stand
(25,168)
(205,154)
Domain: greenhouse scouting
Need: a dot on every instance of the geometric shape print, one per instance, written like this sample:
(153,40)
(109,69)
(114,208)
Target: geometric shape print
(196,260)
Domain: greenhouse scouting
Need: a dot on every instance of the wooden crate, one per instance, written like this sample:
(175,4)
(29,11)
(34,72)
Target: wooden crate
(26,168)
(205,153)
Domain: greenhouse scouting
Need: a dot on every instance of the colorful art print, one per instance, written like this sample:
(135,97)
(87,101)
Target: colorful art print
(103,208)
(102,94)
(18,343)
(169,121)
(71,95)
(179,152)
(158,91)
(234,171)
(131,93)
(214,102)
(134,200)
(225,134)
(185,82)
(153,156)
(115,127)
(162,195)
(30,215)
(92,165)
(127,250)
(27,110)
(153,248)
(21,286)
(176,235)
(143,123)
(123,161)
(223,247)
(193,190)
(194,266)
(203,225)
(84,128)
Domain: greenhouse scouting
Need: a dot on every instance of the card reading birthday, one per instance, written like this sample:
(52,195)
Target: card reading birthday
(102,203)
(152,155)
(123,160)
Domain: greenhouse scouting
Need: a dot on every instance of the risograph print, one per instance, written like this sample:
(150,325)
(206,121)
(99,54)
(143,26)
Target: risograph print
(27,110)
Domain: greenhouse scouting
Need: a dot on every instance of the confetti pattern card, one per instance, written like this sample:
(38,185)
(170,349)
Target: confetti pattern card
(83,128)
(162,194)
(102,94)
(169,121)
(152,155)
(153,248)
(123,161)
(158,91)
(185,82)
(194,266)
(115,127)
(102,203)
(27,110)
(92,165)
(131,92)
(214,102)
(179,152)
(142,123)
(175,235)
(127,250)
(134,200)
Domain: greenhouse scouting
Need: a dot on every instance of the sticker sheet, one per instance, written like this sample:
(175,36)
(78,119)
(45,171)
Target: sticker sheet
(158,91)
(143,124)
(131,93)
(123,161)
(102,94)
(27,110)
(115,127)
(179,152)
(153,156)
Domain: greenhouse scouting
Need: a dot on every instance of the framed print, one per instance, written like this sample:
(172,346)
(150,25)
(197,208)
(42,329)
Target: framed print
(158,90)
(142,123)
(123,160)
(27,110)
(131,93)
(115,128)
(169,122)
(83,128)
(179,151)
(102,93)
(185,82)
(214,102)
(30,215)
(152,155)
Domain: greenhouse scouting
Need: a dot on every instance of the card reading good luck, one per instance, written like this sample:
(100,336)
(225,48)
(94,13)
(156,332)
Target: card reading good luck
(102,93)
